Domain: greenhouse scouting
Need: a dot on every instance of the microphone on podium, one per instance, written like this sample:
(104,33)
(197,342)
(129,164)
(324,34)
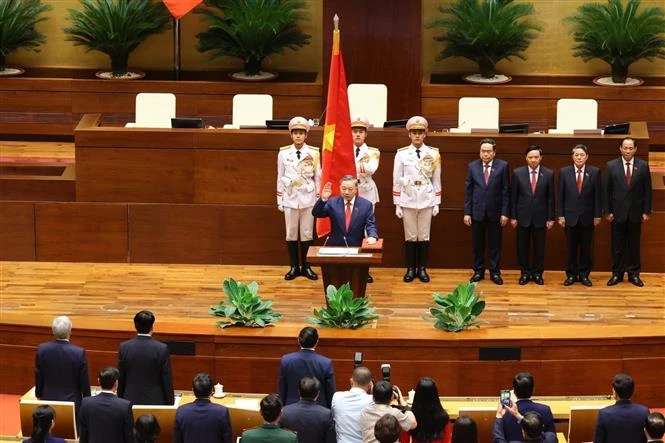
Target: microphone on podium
(347,245)
(325,242)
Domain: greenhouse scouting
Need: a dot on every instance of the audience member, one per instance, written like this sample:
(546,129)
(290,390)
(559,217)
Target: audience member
(310,421)
(145,366)
(61,368)
(655,428)
(271,411)
(202,421)
(387,429)
(624,421)
(306,363)
(43,420)
(465,430)
(431,417)
(383,394)
(146,429)
(531,423)
(523,386)
(105,418)
(347,406)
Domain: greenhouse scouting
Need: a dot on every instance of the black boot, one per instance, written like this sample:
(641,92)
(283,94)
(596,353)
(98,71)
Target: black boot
(423,247)
(305,269)
(292,246)
(410,247)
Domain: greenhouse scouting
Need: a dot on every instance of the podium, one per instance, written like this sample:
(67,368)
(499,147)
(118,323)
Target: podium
(346,268)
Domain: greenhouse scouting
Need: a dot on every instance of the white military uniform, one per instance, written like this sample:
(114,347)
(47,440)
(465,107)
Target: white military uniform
(298,178)
(367,162)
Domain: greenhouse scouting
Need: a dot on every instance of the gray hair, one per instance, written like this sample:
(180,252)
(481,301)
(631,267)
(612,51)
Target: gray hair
(61,327)
(348,178)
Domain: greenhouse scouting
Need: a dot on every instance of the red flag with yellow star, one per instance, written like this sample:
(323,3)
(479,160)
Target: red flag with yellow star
(337,155)
(179,8)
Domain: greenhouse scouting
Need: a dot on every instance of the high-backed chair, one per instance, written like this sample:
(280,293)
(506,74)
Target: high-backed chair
(251,109)
(575,113)
(582,423)
(477,113)
(65,417)
(484,418)
(242,419)
(370,100)
(165,417)
(154,110)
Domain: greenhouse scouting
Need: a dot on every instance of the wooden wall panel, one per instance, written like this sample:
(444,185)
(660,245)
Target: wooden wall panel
(81,232)
(253,235)
(17,236)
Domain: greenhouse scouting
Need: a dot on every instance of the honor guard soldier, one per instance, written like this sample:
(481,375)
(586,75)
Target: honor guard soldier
(417,195)
(298,176)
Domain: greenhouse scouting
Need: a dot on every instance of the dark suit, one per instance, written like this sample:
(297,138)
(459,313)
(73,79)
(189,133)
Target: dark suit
(49,439)
(499,437)
(105,418)
(622,422)
(268,433)
(145,372)
(579,209)
(627,203)
(513,430)
(486,203)
(305,363)
(202,422)
(532,210)
(61,372)
(310,421)
(362,218)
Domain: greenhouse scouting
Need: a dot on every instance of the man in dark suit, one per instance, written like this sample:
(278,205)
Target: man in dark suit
(626,203)
(486,208)
(578,211)
(269,432)
(105,418)
(531,425)
(202,421)
(655,428)
(306,363)
(523,386)
(61,368)
(532,212)
(310,421)
(145,366)
(624,421)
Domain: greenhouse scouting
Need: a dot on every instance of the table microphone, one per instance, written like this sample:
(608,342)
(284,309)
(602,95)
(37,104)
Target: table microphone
(325,242)
(347,245)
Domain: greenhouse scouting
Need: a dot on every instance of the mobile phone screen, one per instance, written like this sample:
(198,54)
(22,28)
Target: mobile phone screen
(505,398)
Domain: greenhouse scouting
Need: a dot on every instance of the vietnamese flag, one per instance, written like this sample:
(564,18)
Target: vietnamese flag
(337,156)
(180,8)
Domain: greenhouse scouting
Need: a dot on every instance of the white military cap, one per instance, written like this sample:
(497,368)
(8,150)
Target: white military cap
(416,122)
(298,123)
(359,121)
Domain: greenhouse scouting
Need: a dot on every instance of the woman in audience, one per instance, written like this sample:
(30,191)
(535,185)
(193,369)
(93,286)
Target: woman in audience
(431,417)
(43,420)
(146,429)
(464,430)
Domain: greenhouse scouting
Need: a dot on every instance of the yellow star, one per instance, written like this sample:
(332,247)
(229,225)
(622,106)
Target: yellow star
(328,137)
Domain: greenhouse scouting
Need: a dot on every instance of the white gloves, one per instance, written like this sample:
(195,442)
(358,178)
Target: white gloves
(285,181)
(405,181)
(398,211)
(435,210)
(281,208)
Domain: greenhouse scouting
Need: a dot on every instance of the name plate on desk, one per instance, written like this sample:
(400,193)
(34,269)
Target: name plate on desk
(338,250)
(587,131)
(484,130)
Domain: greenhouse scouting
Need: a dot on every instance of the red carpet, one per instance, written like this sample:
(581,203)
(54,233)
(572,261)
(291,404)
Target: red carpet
(10,420)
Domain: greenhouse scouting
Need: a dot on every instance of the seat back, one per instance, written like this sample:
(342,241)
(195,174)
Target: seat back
(251,109)
(484,418)
(477,113)
(576,113)
(582,423)
(154,110)
(370,100)
(65,417)
(243,419)
(165,417)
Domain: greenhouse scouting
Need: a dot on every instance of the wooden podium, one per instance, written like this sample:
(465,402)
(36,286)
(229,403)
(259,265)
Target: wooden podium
(339,269)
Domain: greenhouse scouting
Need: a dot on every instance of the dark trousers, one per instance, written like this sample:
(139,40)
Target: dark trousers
(490,230)
(626,247)
(579,242)
(533,239)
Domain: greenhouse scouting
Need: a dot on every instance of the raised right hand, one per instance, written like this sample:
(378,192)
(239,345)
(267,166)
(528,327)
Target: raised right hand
(326,192)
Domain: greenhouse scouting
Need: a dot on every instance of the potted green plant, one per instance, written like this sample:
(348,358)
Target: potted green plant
(252,30)
(344,311)
(618,35)
(17,29)
(116,28)
(486,32)
(458,310)
(243,306)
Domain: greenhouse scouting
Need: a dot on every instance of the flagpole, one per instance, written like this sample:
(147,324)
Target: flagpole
(176,47)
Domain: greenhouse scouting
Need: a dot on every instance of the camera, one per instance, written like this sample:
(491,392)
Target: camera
(385,371)
(357,359)
(505,398)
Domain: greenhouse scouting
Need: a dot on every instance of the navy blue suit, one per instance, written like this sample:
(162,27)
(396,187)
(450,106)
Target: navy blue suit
(622,422)
(362,218)
(61,372)
(202,422)
(305,363)
(513,430)
(145,372)
(105,418)
(498,435)
(311,422)
(486,203)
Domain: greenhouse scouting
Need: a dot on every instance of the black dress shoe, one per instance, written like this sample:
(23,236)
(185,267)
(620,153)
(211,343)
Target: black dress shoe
(569,280)
(422,275)
(370,279)
(524,279)
(476,277)
(538,279)
(410,275)
(635,279)
(614,280)
(585,281)
(496,278)
(307,272)
(293,273)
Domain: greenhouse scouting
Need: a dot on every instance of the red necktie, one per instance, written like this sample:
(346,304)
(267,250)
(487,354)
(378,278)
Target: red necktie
(579,181)
(629,177)
(348,215)
(533,182)
(487,173)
